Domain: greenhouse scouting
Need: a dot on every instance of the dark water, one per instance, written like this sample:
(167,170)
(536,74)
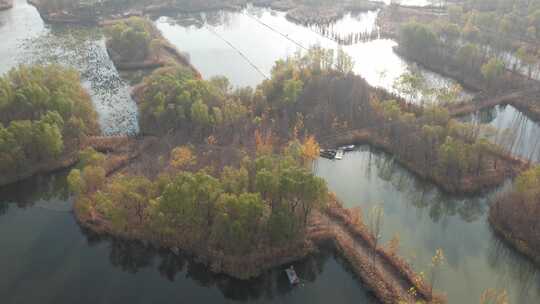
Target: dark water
(46,258)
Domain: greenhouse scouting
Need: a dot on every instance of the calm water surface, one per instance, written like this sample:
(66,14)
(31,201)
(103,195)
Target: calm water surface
(264,36)
(47,258)
(511,129)
(426,219)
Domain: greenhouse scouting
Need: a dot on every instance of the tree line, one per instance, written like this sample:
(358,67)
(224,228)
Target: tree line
(514,214)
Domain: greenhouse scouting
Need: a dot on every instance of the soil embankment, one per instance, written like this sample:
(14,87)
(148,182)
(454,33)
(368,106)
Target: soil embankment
(386,274)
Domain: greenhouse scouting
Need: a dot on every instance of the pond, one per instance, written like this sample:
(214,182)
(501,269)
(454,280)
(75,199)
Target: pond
(244,45)
(47,258)
(425,219)
(26,39)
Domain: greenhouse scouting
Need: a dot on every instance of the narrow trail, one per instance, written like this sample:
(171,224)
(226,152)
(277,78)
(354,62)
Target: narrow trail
(386,280)
(487,102)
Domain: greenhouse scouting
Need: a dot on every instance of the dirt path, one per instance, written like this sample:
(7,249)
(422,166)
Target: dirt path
(387,281)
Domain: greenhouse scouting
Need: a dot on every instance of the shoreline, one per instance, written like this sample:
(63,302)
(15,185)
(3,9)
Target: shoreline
(481,184)
(167,54)
(252,265)
(65,162)
(319,232)
(504,234)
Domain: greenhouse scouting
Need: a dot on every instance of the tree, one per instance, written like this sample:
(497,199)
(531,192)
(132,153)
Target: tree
(436,263)
(76,182)
(493,71)
(310,150)
(130,40)
(344,62)
(94,178)
(376,220)
(492,296)
(182,157)
(291,90)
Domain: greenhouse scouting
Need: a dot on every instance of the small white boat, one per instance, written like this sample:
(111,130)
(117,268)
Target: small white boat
(291,274)
(339,154)
(348,148)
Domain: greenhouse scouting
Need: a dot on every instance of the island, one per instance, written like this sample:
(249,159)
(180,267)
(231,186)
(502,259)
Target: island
(136,44)
(45,116)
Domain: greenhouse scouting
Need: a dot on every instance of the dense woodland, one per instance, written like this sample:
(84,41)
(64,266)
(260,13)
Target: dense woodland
(263,203)
(44,112)
(514,215)
(478,42)
(130,39)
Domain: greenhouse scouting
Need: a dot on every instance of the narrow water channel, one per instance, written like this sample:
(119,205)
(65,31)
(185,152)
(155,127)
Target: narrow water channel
(425,219)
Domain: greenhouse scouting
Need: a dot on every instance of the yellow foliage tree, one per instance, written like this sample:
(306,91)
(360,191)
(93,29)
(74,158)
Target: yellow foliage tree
(264,143)
(310,150)
(182,157)
(492,296)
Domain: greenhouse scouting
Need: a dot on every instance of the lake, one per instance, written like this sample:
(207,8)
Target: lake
(260,36)
(47,258)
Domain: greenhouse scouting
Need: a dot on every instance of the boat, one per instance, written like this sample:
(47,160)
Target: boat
(328,153)
(293,277)
(339,154)
(348,148)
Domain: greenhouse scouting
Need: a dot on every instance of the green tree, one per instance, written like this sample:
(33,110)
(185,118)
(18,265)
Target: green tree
(492,71)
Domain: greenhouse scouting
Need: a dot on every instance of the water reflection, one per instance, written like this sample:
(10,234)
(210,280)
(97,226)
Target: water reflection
(426,219)
(133,257)
(48,191)
(511,129)
(45,251)
(25,39)
(264,36)
(84,49)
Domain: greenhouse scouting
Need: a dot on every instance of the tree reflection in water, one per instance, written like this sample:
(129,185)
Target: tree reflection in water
(50,190)
(133,256)
(514,267)
(423,194)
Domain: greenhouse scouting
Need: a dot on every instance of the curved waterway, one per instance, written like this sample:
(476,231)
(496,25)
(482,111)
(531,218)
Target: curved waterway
(26,40)
(261,36)
(424,219)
